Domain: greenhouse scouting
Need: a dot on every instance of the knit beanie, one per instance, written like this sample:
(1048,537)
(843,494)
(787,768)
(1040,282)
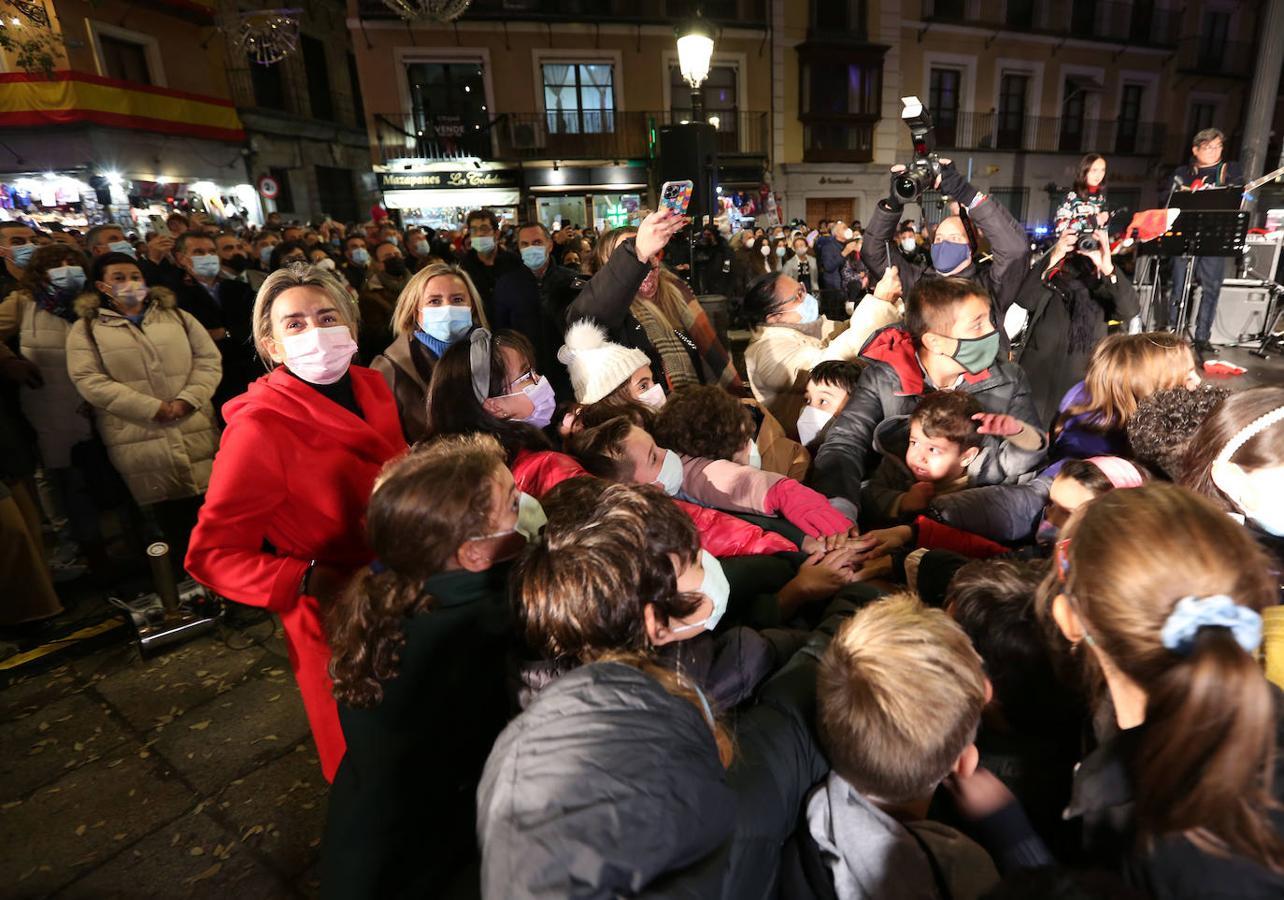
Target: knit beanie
(597,366)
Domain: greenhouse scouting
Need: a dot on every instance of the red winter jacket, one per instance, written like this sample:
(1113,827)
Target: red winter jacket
(295,469)
(537,473)
(936,535)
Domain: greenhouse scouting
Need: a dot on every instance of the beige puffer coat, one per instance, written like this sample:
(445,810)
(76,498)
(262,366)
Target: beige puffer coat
(50,408)
(126,372)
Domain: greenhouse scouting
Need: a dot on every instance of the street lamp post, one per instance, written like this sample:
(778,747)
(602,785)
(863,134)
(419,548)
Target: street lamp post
(695,51)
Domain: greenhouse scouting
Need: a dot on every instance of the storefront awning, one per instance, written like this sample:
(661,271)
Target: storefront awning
(434,199)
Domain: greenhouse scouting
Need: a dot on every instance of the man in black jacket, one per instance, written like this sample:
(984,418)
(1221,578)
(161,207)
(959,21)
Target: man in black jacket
(484,262)
(948,342)
(1206,170)
(533,300)
(951,254)
(223,305)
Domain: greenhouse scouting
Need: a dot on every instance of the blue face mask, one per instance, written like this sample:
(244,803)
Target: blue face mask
(21,254)
(265,255)
(336,242)
(446,323)
(948,256)
(809,311)
(67,278)
(394,240)
(361,257)
(124,247)
(484,244)
(534,256)
(421,248)
(206,266)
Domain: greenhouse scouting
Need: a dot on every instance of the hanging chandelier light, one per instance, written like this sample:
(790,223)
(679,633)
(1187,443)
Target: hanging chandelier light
(268,36)
(428,10)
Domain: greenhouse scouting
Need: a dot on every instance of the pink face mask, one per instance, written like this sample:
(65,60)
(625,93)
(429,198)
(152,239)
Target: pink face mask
(649,284)
(320,355)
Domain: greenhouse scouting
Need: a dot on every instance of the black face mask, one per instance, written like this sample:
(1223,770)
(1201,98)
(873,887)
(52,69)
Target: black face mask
(237,262)
(395,266)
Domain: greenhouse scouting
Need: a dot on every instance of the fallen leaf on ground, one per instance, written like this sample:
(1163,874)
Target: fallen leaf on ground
(200,726)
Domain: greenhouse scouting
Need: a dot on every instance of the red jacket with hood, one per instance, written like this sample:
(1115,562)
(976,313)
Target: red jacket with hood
(537,473)
(295,470)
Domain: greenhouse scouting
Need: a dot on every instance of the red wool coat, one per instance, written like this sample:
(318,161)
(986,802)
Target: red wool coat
(295,469)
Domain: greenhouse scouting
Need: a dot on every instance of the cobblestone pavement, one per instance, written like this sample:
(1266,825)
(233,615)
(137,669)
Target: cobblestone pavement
(192,774)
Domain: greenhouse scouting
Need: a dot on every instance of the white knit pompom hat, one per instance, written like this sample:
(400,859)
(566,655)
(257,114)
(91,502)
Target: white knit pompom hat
(597,366)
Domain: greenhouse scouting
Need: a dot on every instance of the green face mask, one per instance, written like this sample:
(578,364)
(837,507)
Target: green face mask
(977,354)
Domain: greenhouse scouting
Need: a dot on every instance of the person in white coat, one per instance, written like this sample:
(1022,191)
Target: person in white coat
(790,336)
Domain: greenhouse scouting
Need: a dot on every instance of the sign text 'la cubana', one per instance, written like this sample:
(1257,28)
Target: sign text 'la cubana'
(414,181)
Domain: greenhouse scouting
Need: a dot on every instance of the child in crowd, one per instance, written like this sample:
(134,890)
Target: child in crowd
(1160,430)
(605,372)
(828,386)
(704,420)
(444,521)
(1080,481)
(619,450)
(1125,369)
(938,449)
(899,697)
(1161,593)
(948,341)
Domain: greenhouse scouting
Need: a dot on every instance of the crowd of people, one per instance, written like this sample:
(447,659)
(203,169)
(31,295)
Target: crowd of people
(906,605)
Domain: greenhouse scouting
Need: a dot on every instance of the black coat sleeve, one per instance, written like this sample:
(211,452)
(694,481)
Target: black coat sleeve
(839,467)
(1011,250)
(609,294)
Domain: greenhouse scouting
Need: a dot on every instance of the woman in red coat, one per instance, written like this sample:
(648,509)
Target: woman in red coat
(283,525)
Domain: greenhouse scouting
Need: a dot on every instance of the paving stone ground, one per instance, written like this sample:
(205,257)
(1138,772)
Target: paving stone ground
(192,774)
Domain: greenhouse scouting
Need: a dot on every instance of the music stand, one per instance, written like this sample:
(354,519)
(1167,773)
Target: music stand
(1210,224)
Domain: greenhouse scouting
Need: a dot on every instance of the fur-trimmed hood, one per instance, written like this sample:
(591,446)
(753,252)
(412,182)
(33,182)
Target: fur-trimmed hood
(88,303)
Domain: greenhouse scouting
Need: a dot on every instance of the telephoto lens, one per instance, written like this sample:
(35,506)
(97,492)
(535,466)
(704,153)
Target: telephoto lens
(911,183)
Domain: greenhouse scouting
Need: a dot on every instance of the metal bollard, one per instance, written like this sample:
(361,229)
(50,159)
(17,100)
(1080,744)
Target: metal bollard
(163,577)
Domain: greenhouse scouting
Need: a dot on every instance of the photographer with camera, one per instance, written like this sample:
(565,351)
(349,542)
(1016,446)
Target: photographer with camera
(951,251)
(1069,301)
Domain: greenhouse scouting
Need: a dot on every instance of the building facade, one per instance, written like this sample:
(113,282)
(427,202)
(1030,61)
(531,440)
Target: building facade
(128,116)
(303,119)
(1019,91)
(552,109)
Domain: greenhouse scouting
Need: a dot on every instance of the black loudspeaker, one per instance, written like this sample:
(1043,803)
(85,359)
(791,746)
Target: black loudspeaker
(690,151)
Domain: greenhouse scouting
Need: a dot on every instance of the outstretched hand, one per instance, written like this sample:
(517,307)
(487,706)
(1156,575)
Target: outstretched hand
(656,230)
(1000,424)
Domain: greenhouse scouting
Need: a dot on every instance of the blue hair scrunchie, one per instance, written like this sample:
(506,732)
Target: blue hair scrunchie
(1218,611)
(377,567)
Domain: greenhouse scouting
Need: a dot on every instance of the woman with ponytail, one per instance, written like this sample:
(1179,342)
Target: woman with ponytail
(421,642)
(1160,595)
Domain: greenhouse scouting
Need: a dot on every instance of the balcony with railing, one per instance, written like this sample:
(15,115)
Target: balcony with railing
(1135,22)
(1047,134)
(738,13)
(564,135)
(1226,59)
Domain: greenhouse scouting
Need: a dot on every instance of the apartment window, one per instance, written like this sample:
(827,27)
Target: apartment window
(358,105)
(1201,116)
(944,104)
(1012,98)
(284,197)
(1212,39)
(269,85)
(579,98)
(841,104)
(721,96)
(1073,108)
(1143,17)
(1083,18)
(1020,14)
(950,10)
(317,71)
(124,60)
(843,88)
(833,18)
(449,114)
(335,188)
(1129,118)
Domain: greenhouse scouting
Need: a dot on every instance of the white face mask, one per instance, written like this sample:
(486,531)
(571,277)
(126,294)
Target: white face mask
(749,243)
(714,586)
(908,244)
(320,355)
(327,264)
(811,423)
(543,401)
(766,251)
(652,396)
(670,477)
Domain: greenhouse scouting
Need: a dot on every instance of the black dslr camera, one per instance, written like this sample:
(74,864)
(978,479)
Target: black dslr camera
(1084,226)
(921,174)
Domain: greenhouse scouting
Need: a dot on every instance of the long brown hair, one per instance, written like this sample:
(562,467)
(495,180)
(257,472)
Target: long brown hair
(1263,450)
(1081,174)
(36,275)
(423,507)
(1207,753)
(1126,369)
(668,298)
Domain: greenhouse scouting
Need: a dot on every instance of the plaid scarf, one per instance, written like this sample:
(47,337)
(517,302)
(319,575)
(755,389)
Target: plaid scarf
(684,323)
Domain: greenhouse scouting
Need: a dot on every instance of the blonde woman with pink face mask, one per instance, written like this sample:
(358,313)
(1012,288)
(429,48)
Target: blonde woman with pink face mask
(300,455)
(644,306)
